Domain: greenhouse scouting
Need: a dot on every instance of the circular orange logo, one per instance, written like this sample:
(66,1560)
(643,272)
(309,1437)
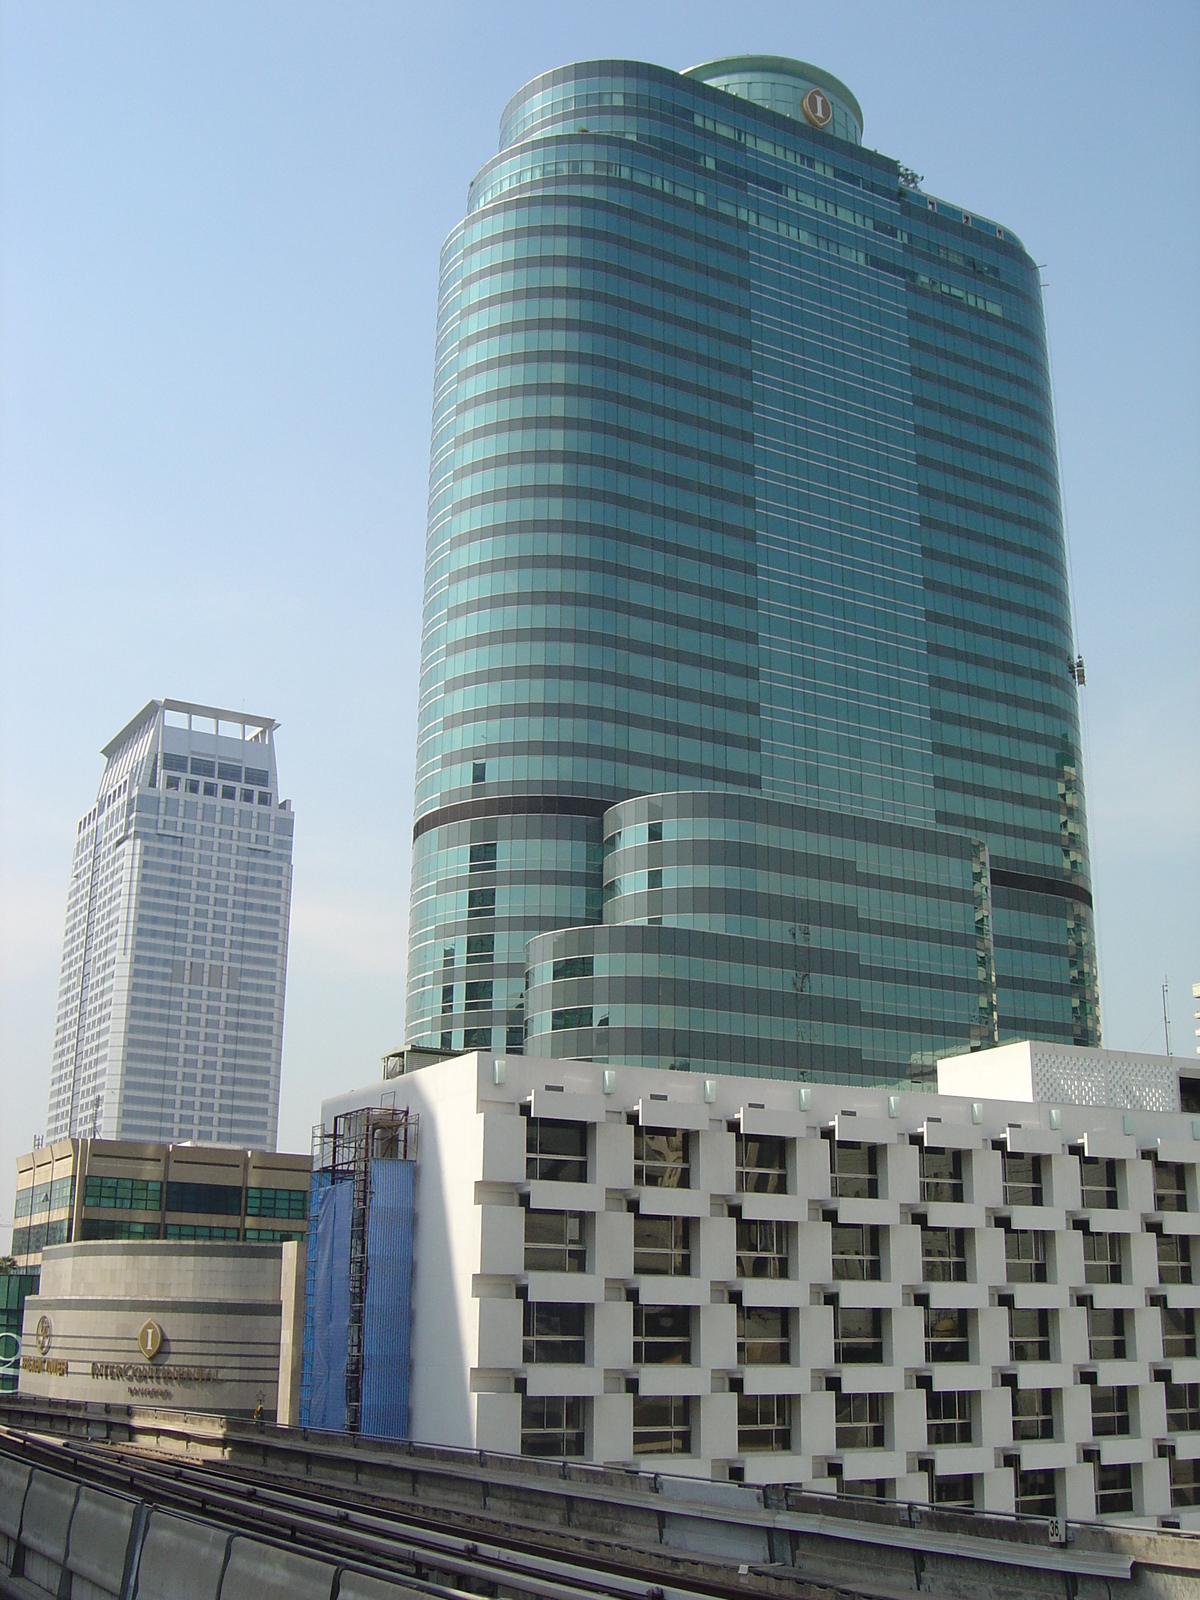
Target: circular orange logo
(816,108)
(44,1334)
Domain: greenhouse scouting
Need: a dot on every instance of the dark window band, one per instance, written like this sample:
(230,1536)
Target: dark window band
(1033,883)
(513,805)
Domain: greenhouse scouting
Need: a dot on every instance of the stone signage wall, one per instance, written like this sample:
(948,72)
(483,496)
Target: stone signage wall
(194,1325)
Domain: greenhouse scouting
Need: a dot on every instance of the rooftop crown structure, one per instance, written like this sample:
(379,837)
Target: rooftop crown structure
(170,1000)
(748,730)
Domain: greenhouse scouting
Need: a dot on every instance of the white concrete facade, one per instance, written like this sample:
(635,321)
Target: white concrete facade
(170,1004)
(1011,1256)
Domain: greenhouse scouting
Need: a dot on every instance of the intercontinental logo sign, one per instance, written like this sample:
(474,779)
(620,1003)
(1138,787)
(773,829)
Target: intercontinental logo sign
(136,1372)
(817,108)
(150,1339)
(150,1342)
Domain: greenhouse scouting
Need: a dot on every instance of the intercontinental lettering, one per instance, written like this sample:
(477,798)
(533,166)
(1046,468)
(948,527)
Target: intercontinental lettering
(48,1364)
(134,1372)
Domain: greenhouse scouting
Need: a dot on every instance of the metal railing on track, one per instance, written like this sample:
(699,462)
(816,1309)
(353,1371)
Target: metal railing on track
(458,1518)
(409,1549)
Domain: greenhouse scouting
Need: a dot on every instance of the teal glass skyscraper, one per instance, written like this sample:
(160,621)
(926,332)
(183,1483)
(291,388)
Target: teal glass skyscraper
(748,726)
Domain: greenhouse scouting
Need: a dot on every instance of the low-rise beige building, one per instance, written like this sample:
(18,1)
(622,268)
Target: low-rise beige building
(202,1326)
(78,1190)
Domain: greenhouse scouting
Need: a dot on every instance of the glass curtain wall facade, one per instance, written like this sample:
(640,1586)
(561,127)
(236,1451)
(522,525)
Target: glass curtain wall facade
(753,935)
(743,483)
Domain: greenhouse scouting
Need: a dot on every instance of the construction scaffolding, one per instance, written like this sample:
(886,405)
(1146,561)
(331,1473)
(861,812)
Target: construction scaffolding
(345,1154)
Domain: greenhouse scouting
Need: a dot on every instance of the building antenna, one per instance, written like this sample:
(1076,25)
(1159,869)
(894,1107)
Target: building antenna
(1166,1016)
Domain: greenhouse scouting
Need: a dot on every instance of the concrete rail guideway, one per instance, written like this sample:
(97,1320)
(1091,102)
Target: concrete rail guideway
(133,1503)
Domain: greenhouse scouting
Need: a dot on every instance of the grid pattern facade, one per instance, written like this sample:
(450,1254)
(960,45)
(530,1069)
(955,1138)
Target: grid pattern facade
(171,993)
(743,478)
(906,1296)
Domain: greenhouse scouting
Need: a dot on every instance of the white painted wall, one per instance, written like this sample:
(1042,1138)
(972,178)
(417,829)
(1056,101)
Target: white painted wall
(469,1267)
(1033,1070)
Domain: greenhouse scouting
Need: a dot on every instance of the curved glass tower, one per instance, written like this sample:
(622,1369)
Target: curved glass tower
(748,728)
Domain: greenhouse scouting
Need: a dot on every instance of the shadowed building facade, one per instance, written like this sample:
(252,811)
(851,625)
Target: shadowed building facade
(747,653)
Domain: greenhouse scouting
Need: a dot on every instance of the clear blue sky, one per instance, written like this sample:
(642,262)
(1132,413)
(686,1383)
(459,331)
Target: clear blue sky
(218,244)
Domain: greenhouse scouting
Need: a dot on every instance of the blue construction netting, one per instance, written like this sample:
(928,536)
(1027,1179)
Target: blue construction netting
(387,1319)
(330,1309)
(346,1175)
(320,1181)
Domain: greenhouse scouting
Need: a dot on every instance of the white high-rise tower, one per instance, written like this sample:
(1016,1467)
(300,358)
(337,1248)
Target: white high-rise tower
(170,998)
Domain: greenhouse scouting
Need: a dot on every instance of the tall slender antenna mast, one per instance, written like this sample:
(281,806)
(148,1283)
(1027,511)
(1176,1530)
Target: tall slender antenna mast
(1166,1017)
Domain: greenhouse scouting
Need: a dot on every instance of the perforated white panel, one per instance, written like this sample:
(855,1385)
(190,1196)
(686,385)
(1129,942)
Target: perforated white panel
(1077,1081)
(1104,1078)
(1142,1086)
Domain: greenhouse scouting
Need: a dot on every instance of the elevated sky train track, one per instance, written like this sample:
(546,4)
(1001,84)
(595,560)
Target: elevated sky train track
(447,1523)
(371,1536)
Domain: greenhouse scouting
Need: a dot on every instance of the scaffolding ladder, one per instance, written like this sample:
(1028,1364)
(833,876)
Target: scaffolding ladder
(372,1133)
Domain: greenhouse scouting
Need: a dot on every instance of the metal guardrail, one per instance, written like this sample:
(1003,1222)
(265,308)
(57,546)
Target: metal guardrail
(294,1521)
(705,1538)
